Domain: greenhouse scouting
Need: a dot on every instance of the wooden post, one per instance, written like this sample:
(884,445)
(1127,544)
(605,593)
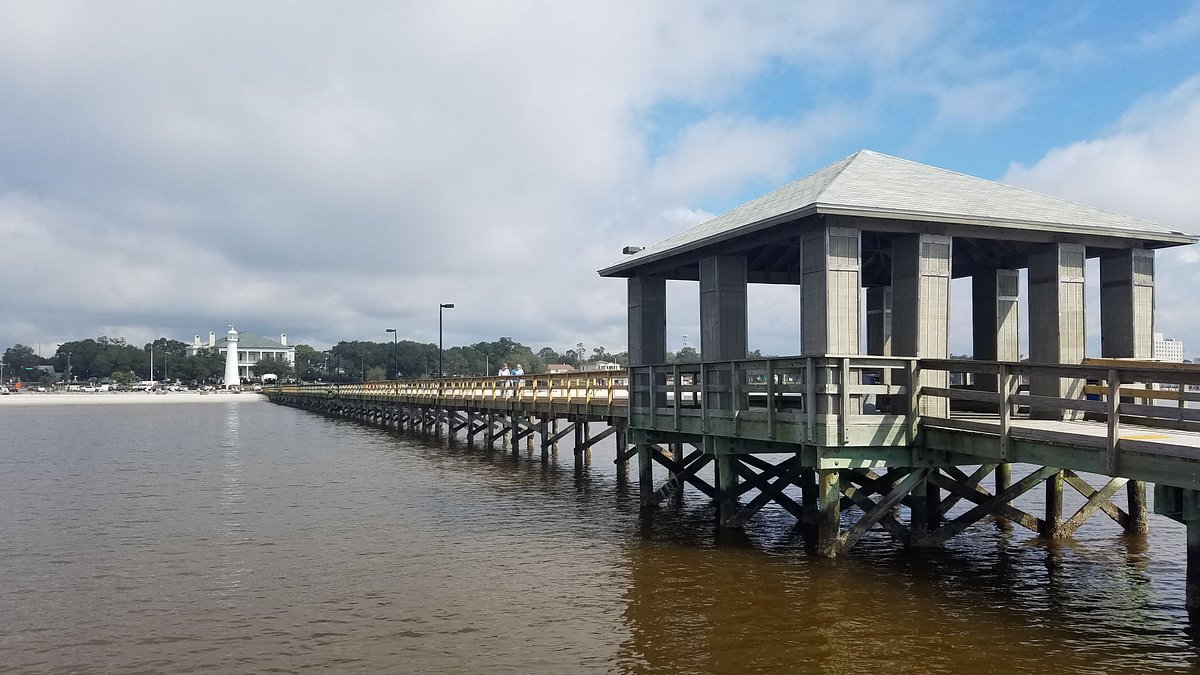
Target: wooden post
(933,505)
(809,497)
(1138,522)
(1114,421)
(829,517)
(919,514)
(673,477)
(1192,588)
(727,502)
(622,441)
(645,474)
(545,432)
(1054,505)
(587,436)
(1003,481)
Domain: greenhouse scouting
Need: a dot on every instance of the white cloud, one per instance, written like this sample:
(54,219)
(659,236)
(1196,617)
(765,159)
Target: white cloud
(1144,166)
(303,168)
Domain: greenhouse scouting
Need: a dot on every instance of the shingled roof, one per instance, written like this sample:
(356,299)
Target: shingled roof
(873,185)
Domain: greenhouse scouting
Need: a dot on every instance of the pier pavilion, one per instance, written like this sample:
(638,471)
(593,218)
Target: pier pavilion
(869,425)
(865,420)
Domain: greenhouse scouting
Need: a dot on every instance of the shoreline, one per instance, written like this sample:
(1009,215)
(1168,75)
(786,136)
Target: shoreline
(127,397)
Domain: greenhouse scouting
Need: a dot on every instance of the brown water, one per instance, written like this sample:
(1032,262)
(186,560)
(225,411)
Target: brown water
(249,537)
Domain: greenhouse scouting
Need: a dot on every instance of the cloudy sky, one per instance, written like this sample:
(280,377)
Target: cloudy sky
(330,170)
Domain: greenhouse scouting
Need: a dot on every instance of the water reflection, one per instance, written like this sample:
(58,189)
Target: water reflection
(713,600)
(232,527)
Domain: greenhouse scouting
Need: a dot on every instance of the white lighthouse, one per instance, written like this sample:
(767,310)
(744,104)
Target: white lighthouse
(232,379)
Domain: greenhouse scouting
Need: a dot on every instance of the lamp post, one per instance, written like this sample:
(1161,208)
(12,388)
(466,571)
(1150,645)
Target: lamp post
(68,370)
(395,365)
(448,305)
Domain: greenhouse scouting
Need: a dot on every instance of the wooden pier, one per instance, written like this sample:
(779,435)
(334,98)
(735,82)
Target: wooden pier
(869,424)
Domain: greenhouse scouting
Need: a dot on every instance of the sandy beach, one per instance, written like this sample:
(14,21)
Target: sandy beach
(127,397)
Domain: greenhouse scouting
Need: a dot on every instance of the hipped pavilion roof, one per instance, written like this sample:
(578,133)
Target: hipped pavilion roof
(994,225)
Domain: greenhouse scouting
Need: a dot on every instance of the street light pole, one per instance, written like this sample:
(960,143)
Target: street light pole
(448,305)
(395,365)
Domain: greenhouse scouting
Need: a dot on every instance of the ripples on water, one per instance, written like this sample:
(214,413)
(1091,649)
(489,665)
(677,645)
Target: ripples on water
(248,537)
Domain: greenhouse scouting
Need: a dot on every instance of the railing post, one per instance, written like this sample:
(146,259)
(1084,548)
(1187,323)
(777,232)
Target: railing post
(703,398)
(653,396)
(912,414)
(810,398)
(1114,420)
(1004,378)
(844,400)
(771,400)
(735,396)
(676,395)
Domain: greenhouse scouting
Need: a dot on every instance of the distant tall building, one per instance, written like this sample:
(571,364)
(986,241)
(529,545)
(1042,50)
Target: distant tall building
(1167,349)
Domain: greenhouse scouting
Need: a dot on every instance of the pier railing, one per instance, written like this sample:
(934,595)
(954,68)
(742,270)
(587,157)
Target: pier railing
(833,400)
(594,390)
(820,400)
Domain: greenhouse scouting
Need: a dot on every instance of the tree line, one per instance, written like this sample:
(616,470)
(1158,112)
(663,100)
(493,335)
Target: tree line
(347,361)
(165,359)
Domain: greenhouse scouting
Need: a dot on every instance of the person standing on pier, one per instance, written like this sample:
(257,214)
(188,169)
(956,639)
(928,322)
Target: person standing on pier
(518,371)
(503,372)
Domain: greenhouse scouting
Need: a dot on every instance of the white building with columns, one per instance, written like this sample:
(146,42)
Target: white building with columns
(250,349)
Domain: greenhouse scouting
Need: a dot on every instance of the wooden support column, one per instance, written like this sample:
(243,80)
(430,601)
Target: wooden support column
(1138,522)
(1127,331)
(933,505)
(829,291)
(808,505)
(622,441)
(1003,482)
(544,431)
(995,294)
(1056,322)
(646,475)
(1192,588)
(647,327)
(918,514)
(1127,304)
(831,276)
(727,488)
(829,515)
(995,325)
(921,285)
(723,319)
(674,476)
(1052,523)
